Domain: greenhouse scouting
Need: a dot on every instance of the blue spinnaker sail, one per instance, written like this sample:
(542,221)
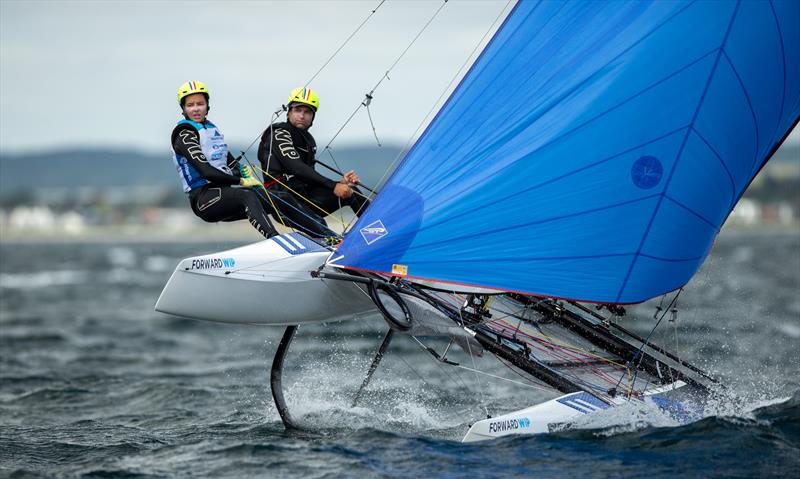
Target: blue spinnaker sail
(593,151)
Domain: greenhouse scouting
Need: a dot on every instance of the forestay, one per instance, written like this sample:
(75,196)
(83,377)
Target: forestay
(592,152)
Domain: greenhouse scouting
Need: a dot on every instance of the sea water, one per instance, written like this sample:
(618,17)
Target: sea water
(94,383)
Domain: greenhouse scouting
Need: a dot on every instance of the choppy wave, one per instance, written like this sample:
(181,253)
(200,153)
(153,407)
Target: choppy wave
(94,383)
(42,279)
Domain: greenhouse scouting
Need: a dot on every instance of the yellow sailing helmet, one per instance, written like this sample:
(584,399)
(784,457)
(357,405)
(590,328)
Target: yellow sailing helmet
(190,88)
(303,95)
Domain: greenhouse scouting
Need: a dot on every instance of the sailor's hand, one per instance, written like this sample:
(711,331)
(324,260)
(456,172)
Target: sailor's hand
(342,190)
(351,178)
(250,182)
(247,172)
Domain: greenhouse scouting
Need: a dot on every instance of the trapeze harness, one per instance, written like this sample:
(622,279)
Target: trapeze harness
(214,148)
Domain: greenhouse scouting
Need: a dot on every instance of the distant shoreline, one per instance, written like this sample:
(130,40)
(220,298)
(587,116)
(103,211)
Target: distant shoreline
(137,234)
(244,233)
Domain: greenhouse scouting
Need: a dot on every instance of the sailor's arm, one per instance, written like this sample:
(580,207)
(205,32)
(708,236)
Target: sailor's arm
(342,190)
(233,164)
(351,178)
(283,147)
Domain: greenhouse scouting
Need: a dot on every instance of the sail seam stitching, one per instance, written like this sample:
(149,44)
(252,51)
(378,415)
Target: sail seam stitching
(670,260)
(724,166)
(695,213)
(783,61)
(749,105)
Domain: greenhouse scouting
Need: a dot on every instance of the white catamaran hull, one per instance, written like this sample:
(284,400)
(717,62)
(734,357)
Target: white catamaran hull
(265,283)
(556,414)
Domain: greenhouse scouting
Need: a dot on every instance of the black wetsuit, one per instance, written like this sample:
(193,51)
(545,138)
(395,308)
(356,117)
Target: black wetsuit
(220,201)
(289,153)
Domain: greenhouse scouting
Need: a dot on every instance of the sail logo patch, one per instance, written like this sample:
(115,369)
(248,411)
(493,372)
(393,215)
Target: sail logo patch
(646,172)
(373,232)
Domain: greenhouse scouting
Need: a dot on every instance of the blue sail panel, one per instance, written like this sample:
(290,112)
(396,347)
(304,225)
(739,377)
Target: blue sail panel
(765,104)
(674,219)
(592,152)
(786,16)
(735,138)
(711,176)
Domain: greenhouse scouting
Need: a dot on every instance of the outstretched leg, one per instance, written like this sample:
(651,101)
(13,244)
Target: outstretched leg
(294,214)
(224,203)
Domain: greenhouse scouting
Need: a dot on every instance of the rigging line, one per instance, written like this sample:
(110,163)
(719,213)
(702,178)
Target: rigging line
(578,362)
(434,105)
(509,314)
(354,190)
(469,349)
(275,115)
(278,181)
(296,225)
(269,197)
(262,191)
(346,226)
(531,382)
(264,264)
(566,351)
(463,384)
(386,75)
(341,213)
(568,372)
(564,345)
(519,383)
(288,275)
(372,124)
(660,306)
(269,150)
(415,372)
(344,43)
(339,172)
(576,366)
(674,321)
(647,339)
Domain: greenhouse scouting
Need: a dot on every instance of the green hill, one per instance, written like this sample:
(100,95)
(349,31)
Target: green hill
(120,168)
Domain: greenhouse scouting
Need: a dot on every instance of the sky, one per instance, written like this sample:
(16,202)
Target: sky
(83,74)
(104,74)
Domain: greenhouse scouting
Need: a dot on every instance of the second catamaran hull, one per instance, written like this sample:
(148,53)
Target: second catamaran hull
(266,283)
(557,414)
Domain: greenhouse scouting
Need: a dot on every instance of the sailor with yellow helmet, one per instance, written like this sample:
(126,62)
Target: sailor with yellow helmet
(287,152)
(209,172)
